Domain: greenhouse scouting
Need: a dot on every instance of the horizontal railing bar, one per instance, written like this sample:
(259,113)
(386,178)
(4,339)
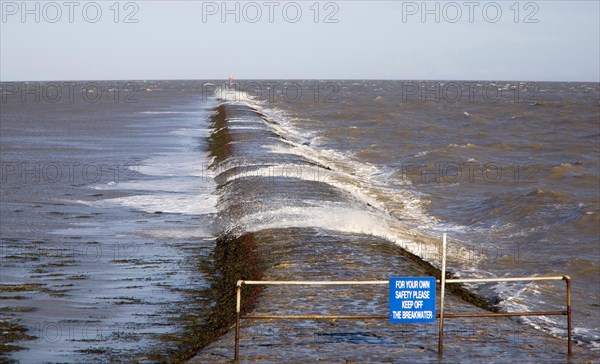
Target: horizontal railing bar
(504,314)
(341,283)
(301,317)
(316,283)
(446,315)
(478,280)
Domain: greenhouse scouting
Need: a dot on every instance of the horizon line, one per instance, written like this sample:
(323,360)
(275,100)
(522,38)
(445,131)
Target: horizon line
(294,79)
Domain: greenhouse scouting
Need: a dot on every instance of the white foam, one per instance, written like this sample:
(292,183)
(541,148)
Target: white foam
(170,112)
(180,233)
(288,170)
(240,127)
(335,218)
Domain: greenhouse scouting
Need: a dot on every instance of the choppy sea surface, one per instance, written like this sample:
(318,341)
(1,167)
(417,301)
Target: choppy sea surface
(112,198)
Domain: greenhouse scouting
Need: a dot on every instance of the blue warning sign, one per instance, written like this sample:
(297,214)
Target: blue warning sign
(412,300)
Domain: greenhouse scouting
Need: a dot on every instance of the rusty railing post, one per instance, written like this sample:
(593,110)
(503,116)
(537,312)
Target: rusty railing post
(238,304)
(569,338)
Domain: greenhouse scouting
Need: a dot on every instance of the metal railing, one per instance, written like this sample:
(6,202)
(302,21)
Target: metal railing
(566,312)
(441,315)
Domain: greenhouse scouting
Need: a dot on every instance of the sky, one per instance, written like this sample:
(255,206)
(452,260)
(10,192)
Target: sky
(404,40)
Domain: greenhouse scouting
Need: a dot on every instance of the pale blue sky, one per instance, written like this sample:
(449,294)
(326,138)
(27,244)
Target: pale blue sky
(371,40)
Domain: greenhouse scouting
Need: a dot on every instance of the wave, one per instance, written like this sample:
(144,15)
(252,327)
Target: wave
(331,191)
